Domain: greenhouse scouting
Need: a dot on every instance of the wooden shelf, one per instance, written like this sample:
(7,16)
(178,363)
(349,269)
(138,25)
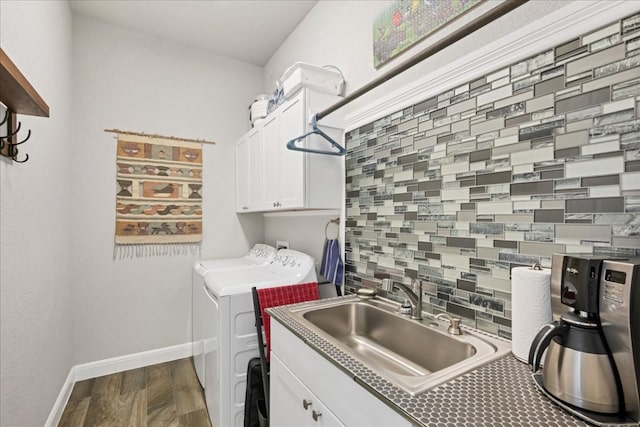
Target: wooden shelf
(16,93)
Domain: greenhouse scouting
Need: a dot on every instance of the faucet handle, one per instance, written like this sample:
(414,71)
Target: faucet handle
(454,329)
(454,323)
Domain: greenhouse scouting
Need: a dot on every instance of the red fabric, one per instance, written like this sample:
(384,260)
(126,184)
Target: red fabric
(283,295)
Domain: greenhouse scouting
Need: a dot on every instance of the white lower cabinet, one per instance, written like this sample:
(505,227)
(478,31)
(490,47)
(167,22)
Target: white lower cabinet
(299,374)
(293,404)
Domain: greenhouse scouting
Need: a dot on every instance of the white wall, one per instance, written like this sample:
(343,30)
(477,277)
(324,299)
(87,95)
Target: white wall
(340,33)
(304,233)
(35,207)
(135,82)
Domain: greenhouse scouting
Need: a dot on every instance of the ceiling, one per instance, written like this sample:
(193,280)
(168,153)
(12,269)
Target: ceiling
(247,30)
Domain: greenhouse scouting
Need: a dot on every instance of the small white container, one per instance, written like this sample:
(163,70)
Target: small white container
(329,80)
(258,109)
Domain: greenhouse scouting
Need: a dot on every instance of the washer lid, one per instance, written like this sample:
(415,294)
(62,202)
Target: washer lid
(289,267)
(259,255)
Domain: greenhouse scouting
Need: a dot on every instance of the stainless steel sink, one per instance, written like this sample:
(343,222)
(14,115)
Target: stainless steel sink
(414,355)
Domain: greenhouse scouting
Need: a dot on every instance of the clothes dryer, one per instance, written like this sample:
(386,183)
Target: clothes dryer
(230,339)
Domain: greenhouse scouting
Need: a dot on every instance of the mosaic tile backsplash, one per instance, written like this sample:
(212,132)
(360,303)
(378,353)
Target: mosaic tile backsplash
(539,157)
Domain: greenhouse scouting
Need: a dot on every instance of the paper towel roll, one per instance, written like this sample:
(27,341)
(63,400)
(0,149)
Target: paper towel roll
(531,307)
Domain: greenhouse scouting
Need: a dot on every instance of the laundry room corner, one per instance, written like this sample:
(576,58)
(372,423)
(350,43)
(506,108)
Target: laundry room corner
(131,305)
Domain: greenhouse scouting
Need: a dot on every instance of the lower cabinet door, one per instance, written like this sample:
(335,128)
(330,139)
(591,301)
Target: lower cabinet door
(292,404)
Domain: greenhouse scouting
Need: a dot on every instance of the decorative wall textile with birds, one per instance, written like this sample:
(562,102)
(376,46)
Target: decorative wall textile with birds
(158,196)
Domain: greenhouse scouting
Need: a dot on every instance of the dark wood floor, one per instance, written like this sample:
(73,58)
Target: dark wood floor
(167,394)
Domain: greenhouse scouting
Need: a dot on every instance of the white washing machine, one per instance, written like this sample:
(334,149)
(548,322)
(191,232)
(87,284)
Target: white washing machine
(230,339)
(259,255)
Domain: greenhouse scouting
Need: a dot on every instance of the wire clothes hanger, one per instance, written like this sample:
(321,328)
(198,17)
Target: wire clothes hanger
(291,145)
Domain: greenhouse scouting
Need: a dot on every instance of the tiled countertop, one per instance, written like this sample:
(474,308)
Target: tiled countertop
(500,393)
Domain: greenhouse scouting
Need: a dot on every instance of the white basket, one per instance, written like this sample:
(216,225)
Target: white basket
(325,79)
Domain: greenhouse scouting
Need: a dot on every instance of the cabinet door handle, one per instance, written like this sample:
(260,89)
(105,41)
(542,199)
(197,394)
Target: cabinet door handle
(306,403)
(315,415)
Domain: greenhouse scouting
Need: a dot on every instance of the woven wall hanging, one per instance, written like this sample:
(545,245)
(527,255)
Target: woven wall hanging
(158,195)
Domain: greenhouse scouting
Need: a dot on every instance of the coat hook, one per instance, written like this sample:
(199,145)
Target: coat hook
(12,151)
(6,144)
(19,161)
(13,133)
(24,140)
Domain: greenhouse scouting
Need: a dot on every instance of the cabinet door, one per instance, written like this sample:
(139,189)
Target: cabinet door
(291,402)
(256,170)
(292,179)
(242,175)
(271,189)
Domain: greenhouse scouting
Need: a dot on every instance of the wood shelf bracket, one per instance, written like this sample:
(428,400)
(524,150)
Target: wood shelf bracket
(19,97)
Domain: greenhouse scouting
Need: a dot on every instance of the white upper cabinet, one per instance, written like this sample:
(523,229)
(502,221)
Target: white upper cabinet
(242,175)
(256,170)
(249,172)
(271,161)
(285,179)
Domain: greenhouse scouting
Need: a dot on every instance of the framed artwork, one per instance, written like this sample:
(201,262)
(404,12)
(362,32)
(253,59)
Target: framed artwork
(406,22)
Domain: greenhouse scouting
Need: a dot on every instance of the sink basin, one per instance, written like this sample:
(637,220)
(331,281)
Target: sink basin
(413,355)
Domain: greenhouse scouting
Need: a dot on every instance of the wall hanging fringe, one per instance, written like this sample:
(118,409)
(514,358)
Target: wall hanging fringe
(143,251)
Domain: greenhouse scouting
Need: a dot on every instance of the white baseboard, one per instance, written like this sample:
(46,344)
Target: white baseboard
(111,366)
(131,361)
(61,401)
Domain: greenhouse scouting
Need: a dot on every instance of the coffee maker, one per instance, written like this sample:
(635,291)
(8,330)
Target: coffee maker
(592,349)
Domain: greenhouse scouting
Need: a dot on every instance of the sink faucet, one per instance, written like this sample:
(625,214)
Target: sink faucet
(415,300)
(454,323)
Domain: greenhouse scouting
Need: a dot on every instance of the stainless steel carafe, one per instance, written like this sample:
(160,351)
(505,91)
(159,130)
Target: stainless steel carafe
(577,366)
